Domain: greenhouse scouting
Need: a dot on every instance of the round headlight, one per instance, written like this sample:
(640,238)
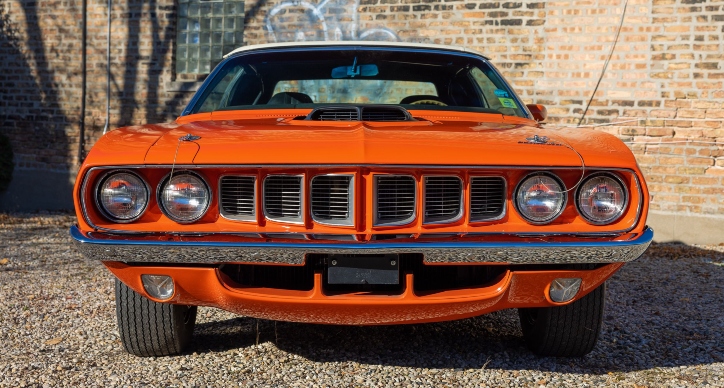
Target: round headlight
(602,199)
(184,198)
(540,198)
(122,196)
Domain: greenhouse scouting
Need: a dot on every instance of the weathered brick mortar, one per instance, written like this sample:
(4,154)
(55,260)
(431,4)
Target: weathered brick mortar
(666,72)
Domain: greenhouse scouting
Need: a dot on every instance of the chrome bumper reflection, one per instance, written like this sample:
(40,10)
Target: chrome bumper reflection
(102,247)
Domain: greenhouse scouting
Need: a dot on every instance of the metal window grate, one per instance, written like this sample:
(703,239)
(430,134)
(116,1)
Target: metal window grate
(395,199)
(238,197)
(332,199)
(487,198)
(443,199)
(283,197)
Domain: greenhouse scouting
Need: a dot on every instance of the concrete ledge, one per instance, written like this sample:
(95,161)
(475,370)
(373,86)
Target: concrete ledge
(33,190)
(687,228)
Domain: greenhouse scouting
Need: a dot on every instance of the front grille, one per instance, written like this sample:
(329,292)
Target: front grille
(443,199)
(331,199)
(237,197)
(384,114)
(283,197)
(395,199)
(487,198)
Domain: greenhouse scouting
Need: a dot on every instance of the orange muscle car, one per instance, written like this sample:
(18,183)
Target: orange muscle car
(360,183)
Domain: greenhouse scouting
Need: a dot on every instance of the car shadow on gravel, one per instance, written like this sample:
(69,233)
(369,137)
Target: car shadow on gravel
(663,310)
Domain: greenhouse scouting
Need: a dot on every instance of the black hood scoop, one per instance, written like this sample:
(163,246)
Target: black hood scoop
(383,113)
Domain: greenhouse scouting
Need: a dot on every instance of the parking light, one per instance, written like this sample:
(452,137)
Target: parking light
(564,289)
(158,286)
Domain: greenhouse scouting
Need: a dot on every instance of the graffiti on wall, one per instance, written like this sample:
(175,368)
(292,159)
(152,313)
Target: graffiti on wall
(328,20)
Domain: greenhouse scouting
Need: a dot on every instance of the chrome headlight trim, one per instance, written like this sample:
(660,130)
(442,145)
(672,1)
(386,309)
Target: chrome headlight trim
(101,209)
(560,210)
(626,193)
(162,185)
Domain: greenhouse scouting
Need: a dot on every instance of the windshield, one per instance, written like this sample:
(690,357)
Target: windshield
(314,77)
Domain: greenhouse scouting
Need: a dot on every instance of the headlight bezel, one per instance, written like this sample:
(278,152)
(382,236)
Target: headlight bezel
(560,211)
(164,182)
(99,204)
(626,193)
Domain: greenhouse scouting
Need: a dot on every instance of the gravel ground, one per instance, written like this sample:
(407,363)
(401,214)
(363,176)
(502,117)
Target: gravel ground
(663,327)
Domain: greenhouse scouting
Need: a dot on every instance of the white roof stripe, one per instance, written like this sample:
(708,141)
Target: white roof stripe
(352,43)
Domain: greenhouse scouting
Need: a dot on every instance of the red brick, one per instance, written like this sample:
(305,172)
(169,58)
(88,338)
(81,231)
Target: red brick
(700,161)
(676,179)
(717,171)
(551,51)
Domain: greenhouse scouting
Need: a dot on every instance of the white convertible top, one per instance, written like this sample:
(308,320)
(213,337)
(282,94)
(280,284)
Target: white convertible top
(353,43)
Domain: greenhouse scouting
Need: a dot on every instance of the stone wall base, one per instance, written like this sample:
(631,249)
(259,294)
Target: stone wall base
(34,190)
(686,228)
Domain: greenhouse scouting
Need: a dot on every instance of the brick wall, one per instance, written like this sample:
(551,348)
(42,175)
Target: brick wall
(662,92)
(40,74)
(663,83)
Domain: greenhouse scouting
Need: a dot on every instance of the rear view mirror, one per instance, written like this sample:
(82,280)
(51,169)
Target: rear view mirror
(355,70)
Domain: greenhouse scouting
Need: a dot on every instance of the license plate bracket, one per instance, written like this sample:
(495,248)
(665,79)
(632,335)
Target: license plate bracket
(363,269)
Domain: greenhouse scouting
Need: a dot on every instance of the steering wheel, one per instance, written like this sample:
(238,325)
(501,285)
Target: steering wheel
(428,102)
(423,99)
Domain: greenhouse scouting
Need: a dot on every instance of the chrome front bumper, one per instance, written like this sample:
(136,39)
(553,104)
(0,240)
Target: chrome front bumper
(100,246)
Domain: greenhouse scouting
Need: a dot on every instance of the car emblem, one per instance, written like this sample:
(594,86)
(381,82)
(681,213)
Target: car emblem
(543,140)
(189,137)
(537,139)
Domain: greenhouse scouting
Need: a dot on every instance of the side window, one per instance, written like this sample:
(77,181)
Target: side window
(496,95)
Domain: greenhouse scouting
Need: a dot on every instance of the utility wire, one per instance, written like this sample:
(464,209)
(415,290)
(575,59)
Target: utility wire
(605,64)
(108,71)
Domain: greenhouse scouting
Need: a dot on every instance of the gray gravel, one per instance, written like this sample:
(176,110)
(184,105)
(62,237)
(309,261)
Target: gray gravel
(663,328)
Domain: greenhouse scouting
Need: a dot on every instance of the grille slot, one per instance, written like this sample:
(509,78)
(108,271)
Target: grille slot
(283,197)
(395,199)
(487,198)
(336,114)
(384,114)
(443,199)
(332,199)
(357,113)
(238,197)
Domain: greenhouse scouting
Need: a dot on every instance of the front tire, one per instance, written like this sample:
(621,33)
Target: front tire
(564,331)
(149,328)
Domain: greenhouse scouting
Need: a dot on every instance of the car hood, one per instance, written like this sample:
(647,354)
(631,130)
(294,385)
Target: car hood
(438,141)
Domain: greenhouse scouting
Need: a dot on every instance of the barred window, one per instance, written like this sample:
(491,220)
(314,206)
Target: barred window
(207,30)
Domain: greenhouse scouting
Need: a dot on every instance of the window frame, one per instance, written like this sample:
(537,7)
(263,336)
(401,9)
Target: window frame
(281,50)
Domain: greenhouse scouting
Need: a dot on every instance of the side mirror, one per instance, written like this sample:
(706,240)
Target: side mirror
(539,112)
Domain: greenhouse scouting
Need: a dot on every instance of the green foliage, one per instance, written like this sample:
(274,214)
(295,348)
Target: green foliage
(6,162)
